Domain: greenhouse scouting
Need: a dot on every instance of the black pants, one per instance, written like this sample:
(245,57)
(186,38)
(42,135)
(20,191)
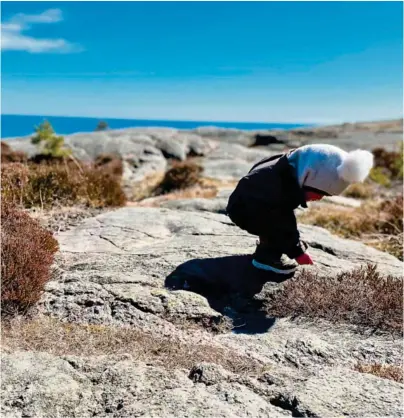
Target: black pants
(276,227)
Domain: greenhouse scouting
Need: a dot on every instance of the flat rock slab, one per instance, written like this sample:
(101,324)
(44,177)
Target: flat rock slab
(159,232)
(42,385)
(119,267)
(114,269)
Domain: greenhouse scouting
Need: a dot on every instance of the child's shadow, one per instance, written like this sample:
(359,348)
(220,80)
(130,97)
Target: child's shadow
(229,284)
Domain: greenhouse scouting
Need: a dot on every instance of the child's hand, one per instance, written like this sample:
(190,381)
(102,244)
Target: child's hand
(304,259)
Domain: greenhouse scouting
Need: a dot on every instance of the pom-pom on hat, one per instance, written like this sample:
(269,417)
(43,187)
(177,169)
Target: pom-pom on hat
(328,169)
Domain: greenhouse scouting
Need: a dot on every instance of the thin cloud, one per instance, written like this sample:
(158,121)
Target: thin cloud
(14,39)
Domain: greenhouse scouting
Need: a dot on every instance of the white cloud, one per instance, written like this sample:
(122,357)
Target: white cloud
(13,38)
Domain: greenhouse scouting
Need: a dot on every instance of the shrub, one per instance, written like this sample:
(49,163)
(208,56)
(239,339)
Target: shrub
(14,179)
(47,159)
(49,143)
(46,185)
(27,252)
(392,221)
(378,224)
(361,297)
(385,371)
(111,163)
(360,191)
(102,189)
(39,185)
(180,176)
(380,176)
(388,166)
(102,126)
(10,156)
(391,161)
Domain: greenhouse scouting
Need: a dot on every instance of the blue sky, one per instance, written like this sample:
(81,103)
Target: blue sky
(314,62)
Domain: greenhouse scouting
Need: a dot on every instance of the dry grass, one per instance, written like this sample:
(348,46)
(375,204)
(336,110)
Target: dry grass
(205,188)
(27,253)
(361,297)
(385,371)
(49,184)
(217,183)
(61,218)
(388,166)
(390,160)
(150,192)
(392,244)
(190,193)
(144,189)
(10,156)
(377,224)
(360,191)
(111,163)
(93,340)
(182,175)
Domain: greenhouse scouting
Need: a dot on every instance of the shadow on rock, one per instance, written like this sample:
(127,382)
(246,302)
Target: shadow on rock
(229,284)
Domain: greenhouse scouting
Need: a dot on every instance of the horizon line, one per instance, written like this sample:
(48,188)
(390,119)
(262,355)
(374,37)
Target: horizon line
(312,123)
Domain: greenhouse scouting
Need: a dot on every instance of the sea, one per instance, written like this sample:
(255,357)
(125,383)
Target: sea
(23,125)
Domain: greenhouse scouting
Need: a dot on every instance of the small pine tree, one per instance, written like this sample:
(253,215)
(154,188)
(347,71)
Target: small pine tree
(102,126)
(51,144)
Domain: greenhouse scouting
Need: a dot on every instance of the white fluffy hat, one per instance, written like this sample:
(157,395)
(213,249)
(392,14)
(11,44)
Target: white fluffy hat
(329,169)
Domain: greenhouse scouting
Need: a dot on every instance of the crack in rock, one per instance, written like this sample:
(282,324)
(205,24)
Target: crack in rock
(323,247)
(292,404)
(111,242)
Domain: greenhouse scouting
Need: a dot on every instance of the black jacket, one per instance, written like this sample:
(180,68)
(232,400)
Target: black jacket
(263,204)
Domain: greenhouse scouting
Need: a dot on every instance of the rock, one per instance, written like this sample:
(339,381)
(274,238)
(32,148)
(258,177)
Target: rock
(215,205)
(122,267)
(342,201)
(262,139)
(39,384)
(42,385)
(238,152)
(345,254)
(225,169)
(358,395)
(178,271)
(180,145)
(120,260)
(209,374)
(224,135)
(232,161)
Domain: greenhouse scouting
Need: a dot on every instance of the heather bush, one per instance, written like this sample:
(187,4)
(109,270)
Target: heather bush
(102,189)
(360,191)
(180,176)
(47,185)
(385,371)
(360,297)
(390,160)
(388,166)
(10,156)
(27,252)
(111,163)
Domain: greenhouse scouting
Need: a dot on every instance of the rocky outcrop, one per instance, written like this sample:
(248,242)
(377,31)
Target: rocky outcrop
(228,153)
(182,271)
(116,269)
(42,385)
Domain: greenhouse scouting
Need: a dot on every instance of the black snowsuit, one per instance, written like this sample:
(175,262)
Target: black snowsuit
(263,204)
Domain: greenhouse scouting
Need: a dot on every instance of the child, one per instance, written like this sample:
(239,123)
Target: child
(264,200)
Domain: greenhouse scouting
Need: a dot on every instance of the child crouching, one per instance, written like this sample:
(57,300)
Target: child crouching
(264,200)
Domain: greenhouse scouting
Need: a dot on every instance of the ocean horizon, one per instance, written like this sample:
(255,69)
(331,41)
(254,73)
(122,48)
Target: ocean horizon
(23,125)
